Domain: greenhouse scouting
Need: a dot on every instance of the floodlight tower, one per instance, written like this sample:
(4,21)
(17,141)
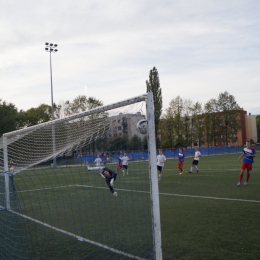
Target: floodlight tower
(52,48)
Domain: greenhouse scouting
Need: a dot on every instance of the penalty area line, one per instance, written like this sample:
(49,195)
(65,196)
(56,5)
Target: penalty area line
(79,237)
(205,197)
(148,192)
(179,195)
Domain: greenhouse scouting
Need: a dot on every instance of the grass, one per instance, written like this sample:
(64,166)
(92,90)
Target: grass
(214,219)
(203,215)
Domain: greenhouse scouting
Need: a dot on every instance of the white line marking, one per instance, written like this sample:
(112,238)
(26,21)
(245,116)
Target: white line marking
(166,194)
(179,195)
(204,197)
(79,237)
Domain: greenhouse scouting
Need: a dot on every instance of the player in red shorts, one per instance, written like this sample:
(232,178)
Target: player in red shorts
(249,154)
(181,157)
(119,164)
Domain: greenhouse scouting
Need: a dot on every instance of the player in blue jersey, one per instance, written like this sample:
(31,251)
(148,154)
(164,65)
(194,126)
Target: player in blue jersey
(249,153)
(181,157)
(119,164)
(107,174)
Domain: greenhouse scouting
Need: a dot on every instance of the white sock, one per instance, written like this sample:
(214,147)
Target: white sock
(196,168)
(191,169)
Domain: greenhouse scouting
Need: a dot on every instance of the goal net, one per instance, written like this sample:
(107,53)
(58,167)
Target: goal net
(52,206)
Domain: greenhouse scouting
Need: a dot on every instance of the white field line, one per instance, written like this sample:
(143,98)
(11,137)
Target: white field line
(205,197)
(79,237)
(165,194)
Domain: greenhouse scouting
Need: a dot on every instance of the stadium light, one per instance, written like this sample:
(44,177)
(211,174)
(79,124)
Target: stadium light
(52,48)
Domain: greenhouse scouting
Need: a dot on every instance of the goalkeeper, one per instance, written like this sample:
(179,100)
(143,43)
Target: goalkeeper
(107,174)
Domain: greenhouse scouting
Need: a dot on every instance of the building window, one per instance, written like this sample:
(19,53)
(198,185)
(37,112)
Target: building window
(118,121)
(115,135)
(119,128)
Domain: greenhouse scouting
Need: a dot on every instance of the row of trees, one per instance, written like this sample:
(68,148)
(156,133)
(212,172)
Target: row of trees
(11,119)
(185,123)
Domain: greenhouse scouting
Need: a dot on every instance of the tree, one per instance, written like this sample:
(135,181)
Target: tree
(187,113)
(61,109)
(165,129)
(136,143)
(153,85)
(8,117)
(175,125)
(34,116)
(197,126)
(231,121)
(211,121)
(119,143)
(81,103)
(172,126)
(178,124)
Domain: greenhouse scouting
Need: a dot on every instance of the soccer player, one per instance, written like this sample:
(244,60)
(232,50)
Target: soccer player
(125,160)
(196,159)
(181,157)
(107,174)
(119,165)
(98,160)
(249,153)
(161,158)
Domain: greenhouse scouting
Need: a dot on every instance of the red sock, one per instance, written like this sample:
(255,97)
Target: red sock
(247,176)
(240,177)
(180,169)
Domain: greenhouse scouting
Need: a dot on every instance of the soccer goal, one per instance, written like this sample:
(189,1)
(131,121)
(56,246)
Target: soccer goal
(52,206)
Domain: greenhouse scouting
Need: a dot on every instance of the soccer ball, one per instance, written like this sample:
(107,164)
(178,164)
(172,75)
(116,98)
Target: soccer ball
(142,126)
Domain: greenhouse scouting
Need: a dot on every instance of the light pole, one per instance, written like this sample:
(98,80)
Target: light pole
(52,48)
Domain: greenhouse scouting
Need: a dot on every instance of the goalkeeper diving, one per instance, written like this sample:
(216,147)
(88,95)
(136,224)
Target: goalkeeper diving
(108,175)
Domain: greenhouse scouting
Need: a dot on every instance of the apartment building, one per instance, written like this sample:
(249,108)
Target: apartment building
(125,125)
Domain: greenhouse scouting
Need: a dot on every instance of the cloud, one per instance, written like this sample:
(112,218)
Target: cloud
(200,49)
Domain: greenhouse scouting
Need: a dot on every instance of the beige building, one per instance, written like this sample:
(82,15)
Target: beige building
(125,124)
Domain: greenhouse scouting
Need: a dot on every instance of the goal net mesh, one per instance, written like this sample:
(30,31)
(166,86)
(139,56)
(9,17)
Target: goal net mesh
(52,207)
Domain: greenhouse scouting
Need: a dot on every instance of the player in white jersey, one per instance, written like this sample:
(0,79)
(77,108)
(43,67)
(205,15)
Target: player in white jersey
(98,160)
(196,159)
(125,160)
(160,163)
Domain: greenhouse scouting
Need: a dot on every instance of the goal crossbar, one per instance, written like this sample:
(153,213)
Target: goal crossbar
(101,109)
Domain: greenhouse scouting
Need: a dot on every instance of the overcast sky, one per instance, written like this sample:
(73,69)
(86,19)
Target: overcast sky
(107,48)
